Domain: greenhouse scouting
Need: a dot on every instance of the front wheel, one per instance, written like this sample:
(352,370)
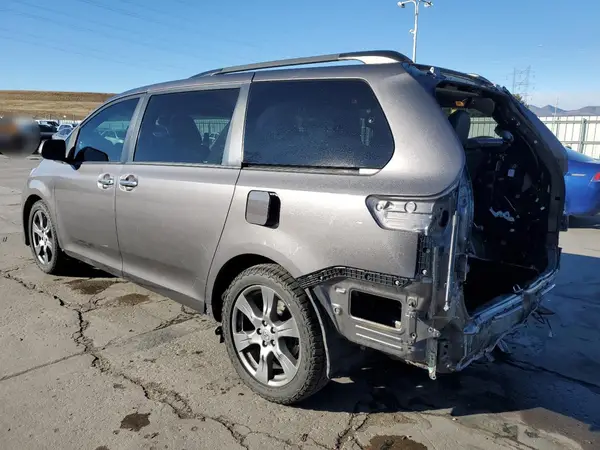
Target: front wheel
(273,336)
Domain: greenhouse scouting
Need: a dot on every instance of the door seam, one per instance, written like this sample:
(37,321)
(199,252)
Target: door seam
(212,260)
(115,218)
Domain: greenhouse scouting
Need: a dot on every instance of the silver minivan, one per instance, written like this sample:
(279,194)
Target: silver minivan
(308,208)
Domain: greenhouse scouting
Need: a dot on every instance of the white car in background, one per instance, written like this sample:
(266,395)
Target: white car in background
(63,133)
(68,126)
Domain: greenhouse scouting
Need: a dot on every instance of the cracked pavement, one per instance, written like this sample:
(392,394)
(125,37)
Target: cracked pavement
(91,361)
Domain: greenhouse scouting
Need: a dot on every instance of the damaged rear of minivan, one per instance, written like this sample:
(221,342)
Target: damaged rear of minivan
(489,247)
(408,209)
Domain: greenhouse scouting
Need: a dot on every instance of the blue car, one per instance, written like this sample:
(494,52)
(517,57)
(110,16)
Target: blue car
(582,182)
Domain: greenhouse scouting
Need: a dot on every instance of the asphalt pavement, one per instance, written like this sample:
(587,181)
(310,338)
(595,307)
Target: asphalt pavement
(95,362)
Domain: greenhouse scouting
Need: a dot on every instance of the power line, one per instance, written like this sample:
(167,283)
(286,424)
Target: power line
(173,49)
(105,34)
(129,32)
(194,22)
(150,19)
(182,2)
(41,42)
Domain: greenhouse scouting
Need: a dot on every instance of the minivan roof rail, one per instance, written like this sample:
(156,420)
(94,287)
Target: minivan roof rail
(366,57)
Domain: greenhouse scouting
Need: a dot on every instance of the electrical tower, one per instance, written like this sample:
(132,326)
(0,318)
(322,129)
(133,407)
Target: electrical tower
(521,83)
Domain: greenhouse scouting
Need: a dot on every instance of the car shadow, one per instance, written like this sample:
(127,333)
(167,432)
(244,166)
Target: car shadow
(79,269)
(385,385)
(551,382)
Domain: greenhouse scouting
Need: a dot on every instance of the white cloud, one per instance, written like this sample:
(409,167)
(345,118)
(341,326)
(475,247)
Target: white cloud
(566,99)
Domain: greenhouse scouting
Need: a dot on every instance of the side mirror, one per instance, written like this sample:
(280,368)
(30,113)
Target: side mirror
(54,149)
(91,154)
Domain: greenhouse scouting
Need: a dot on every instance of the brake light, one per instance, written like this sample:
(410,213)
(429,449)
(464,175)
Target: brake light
(596,177)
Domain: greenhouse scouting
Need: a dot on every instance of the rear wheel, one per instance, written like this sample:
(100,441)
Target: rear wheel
(43,241)
(273,335)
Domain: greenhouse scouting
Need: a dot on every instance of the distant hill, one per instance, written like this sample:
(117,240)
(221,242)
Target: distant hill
(548,110)
(50,104)
(77,105)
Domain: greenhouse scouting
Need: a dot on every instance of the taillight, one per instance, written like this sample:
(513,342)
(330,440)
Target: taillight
(406,214)
(596,177)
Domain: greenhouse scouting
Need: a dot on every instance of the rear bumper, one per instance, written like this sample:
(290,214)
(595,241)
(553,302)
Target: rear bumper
(585,211)
(585,202)
(490,325)
(423,342)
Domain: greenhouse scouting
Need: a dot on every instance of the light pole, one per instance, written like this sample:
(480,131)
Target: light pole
(416,27)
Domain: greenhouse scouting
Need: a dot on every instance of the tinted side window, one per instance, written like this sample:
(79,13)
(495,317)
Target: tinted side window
(186,127)
(93,142)
(317,123)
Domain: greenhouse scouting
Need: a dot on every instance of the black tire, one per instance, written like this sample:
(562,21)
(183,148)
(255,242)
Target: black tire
(58,262)
(311,375)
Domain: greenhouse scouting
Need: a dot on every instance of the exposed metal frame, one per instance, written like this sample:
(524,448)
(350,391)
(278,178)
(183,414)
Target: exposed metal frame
(366,57)
(443,71)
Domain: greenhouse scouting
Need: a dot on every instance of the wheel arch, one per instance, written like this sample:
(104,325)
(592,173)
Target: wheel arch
(230,261)
(225,275)
(27,206)
(37,188)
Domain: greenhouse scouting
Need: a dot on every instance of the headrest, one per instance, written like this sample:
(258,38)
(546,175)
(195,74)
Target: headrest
(461,122)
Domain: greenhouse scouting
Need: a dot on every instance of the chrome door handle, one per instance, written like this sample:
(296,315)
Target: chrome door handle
(105,181)
(128,181)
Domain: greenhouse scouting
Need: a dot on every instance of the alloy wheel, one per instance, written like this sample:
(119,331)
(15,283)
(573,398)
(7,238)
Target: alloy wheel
(41,233)
(266,336)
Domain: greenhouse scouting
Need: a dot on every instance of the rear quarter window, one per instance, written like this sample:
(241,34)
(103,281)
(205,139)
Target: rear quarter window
(317,124)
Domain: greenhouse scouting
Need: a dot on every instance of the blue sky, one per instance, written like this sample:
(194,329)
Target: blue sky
(114,45)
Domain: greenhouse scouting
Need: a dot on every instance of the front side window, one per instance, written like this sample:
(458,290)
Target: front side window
(316,123)
(186,127)
(96,141)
